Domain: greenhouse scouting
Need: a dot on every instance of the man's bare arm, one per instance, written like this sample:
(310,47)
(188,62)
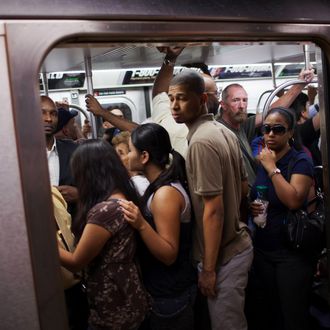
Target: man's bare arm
(212,227)
(93,105)
(287,99)
(316,122)
(165,74)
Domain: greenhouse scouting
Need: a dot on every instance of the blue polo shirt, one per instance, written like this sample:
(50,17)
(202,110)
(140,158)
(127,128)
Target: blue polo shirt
(270,237)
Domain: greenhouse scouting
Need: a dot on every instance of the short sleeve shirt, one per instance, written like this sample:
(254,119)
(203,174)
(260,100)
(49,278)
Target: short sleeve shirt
(215,167)
(270,237)
(115,293)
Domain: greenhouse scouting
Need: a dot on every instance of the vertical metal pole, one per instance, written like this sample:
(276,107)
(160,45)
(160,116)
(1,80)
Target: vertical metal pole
(272,67)
(45,83)
(147,101)
(89,79)
(307,56)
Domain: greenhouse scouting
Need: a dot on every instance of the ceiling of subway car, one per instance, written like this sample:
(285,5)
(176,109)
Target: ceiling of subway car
(70,57)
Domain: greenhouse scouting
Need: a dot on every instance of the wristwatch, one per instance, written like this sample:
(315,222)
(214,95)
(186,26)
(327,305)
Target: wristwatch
(275,171)
(169,62)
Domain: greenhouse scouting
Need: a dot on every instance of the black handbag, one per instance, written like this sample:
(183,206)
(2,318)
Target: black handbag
(306,231)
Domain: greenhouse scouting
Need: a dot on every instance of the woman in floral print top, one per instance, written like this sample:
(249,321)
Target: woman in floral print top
(106,242)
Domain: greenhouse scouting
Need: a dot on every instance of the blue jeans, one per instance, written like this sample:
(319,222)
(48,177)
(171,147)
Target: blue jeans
(172,313)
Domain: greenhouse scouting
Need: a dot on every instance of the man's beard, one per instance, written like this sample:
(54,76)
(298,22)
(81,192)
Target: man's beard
(240,117)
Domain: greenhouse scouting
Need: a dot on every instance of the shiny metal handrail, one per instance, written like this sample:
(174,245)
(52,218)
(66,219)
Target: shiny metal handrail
(278,89)
(260,98)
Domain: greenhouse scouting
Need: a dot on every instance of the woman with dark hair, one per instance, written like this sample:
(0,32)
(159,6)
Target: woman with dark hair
(105,242)
(284,276)
(164,226)
(301,108)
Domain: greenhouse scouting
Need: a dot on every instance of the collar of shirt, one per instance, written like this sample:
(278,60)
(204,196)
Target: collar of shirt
(199,121)
(53,148)
(220,120)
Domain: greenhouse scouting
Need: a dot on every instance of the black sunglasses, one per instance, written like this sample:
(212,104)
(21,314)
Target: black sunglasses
(276,129)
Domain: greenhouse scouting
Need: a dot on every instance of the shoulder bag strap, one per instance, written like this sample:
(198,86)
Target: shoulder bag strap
(248,156)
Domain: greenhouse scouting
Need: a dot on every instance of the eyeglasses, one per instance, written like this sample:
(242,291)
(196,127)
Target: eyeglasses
(276,129)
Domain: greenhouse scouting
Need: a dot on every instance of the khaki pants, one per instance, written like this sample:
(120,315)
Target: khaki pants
(227,309)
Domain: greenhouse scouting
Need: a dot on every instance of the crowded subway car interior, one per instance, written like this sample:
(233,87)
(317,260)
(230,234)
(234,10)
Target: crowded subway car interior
(112,52)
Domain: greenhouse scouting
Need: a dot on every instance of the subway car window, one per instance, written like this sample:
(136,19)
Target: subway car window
(259,67)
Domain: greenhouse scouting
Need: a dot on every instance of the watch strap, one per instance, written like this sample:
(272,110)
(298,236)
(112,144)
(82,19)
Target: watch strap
(168,62)
(275,171)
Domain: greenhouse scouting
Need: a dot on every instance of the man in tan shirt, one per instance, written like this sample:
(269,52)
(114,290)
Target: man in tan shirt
(217,182)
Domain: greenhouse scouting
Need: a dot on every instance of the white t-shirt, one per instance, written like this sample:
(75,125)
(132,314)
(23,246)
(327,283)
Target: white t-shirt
(141,183)
(53,165)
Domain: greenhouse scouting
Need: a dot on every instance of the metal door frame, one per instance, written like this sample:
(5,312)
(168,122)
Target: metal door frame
(26,45)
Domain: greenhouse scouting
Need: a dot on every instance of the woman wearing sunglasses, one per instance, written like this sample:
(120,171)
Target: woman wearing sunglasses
(284,276)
